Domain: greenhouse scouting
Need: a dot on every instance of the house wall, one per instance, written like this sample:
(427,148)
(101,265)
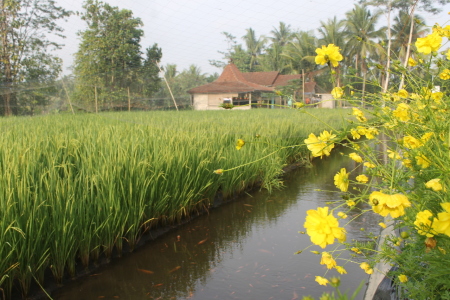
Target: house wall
(327,101)
(212,101)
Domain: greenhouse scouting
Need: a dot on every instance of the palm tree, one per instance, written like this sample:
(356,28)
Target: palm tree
(254,47)
(360,27)
(282,35)
(300,52)
(333,32)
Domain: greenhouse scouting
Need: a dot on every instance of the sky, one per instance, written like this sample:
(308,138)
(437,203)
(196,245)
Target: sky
(190,31)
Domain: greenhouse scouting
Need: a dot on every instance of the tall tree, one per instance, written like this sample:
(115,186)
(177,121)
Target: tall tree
(24,44)
(360,27)
(300,52)
(109,51)
(254,47)
(150,70)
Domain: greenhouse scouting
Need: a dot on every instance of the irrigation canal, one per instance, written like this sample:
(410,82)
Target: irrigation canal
(242,250)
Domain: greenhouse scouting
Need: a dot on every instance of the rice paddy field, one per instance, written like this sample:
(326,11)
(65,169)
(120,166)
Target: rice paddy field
(76,188)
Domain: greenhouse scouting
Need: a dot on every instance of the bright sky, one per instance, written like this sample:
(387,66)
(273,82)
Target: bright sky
(189,31)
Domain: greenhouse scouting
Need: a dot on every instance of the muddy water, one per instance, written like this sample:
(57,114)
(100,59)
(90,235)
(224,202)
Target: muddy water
(241,250)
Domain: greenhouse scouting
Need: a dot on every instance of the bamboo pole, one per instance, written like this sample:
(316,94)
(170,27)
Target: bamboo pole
(129,99)
(170,90)
(96,99)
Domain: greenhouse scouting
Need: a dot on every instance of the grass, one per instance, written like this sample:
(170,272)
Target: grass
(73,188)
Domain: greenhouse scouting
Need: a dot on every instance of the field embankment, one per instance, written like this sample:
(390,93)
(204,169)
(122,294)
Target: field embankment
(74,188)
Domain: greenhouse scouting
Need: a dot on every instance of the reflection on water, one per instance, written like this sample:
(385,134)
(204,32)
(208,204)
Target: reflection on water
(242,250)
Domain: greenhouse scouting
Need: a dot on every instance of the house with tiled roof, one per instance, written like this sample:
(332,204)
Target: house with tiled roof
(242,89)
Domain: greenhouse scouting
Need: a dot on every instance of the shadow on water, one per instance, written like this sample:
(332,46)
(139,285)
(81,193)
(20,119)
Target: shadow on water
(242,250)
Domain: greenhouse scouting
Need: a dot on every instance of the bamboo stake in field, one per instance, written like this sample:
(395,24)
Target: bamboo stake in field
(168,86)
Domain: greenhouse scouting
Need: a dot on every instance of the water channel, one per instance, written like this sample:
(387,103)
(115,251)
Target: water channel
(242,250)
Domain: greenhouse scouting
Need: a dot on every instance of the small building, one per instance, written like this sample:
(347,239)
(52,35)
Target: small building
(243,89)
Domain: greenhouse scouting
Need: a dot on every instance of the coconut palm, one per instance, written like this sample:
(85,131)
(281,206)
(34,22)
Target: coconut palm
(360,27)
(281,35)
(300,52)
(254,47)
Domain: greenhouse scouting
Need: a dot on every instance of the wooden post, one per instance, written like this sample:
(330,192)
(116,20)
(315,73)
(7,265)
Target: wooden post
(250,99)
(96,99)
(129,99)
(303,85)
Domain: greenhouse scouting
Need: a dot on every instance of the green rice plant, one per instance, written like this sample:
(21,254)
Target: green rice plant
(78,187)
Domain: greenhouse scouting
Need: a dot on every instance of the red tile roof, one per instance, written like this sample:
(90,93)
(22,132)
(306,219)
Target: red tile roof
(233,81)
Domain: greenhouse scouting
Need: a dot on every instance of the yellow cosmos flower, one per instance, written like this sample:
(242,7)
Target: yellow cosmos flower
(403,93)
(407,163)
(337,92)
(427,136)
(437,96)
(355,157)
(412,62)
(328,260)
(411,142)
(341,180)
(342,215)
(328,55)
(385,204)
(240,143)
(434,184)
(299,104)
(423,161)
(341,270)
(444,32)
(362,178)
(403,278)
(445,74)
(431,42)
(350,203)
(369,165)
(319,146)
(355,134)
(322,281)
(323,228)
(356,250)
(441,224)
(393,154)
(366,267)
(382,225)
(448,54)
(371,132)
(402,112)
(359,114)
(423,223)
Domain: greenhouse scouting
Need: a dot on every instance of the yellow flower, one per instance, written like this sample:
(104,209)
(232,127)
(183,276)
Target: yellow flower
(385,204)
(411,142)
(369,165)
(402,112)
(434,184)
(437,96)
(445,74)
(366,267)
(337,92)
(423,223)
(427,136)
(412,62)
(356,250)
(341,270)
(382,225)
(441,224)
(393,154)
(240,143)
(423,161)
(328,260)
(299,104)
(218,171)
(448,54)
(407,163)
(328,54)
(350,203)
(371,132)
(431,42)
(342,215)
(322,227)
(355,157)
(359,114)
(341,180)
(355,134)
(402,278)
(322,281)
(362,178)
(318,145)
(403,93)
